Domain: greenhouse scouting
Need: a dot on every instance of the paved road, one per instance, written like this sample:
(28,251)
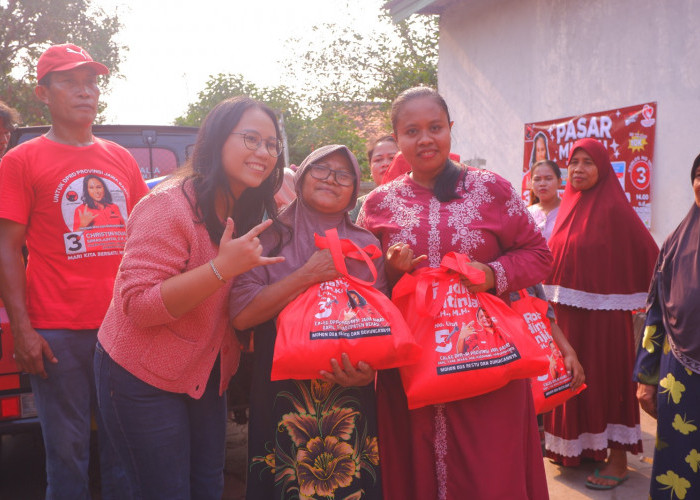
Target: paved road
(22,470)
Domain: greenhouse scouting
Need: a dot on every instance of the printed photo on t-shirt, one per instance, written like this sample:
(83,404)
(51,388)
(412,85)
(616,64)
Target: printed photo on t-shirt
(94,211)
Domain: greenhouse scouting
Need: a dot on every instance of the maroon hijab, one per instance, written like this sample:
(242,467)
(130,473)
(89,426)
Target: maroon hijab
(677,282)
(599,243)
(297,243)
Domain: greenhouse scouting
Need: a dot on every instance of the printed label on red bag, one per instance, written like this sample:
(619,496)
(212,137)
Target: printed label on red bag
(556,379)
(344,313)
(467,337)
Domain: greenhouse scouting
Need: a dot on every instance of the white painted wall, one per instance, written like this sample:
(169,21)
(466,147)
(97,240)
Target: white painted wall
(511,62)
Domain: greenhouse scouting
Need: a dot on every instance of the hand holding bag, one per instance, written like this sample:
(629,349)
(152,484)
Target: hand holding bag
(552,388)
(472,343)
(345,315)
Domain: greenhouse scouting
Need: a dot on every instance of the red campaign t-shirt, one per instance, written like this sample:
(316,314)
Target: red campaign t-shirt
(74,202)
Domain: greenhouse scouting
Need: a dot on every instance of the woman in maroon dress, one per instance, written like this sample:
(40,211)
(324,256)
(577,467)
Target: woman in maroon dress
(603,263)
(482,447)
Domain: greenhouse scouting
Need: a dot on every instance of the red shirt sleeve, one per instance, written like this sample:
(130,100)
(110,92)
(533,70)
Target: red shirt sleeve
(16,195)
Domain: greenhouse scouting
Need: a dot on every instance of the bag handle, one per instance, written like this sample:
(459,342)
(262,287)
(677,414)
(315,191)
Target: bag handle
(352,249)
(540,305)
(348,247)
(422,282)
(459,263)
(427,279)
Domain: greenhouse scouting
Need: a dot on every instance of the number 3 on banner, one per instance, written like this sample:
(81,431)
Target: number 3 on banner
(74,242)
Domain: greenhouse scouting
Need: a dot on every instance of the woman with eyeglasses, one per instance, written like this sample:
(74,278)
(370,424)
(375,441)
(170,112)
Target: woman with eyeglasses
(166,351)
(309,438)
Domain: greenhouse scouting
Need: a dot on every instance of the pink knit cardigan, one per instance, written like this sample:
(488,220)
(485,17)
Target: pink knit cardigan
(138,332)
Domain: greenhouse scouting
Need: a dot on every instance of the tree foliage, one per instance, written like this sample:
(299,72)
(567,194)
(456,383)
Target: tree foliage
(346,65)
(303,132)
(28,27)
(344,83)
(222,86)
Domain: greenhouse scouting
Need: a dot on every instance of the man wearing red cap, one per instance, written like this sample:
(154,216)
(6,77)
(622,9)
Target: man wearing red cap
(55,309)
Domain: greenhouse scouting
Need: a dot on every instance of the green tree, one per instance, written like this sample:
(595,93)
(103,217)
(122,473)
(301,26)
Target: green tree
(281,99)
(347,65)
(28,27)
(303,133)
(331,126)
(339,75)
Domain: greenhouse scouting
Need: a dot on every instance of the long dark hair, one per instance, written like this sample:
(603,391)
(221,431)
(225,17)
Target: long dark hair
(539,135)
(88,200)
(534,199)
(208,177)
(446,182)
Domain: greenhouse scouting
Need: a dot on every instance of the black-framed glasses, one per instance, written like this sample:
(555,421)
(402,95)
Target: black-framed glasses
(322,172)
(253,140)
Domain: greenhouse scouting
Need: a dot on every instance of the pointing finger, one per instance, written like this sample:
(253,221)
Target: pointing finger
(259,229)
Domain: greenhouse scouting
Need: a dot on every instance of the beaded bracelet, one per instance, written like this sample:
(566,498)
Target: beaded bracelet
(216,271)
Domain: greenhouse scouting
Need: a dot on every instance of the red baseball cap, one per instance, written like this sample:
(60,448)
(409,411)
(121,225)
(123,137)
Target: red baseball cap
(64,57)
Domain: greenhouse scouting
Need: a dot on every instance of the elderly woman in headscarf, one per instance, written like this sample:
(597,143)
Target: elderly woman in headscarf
(668,360)
(309,438)
(603,262)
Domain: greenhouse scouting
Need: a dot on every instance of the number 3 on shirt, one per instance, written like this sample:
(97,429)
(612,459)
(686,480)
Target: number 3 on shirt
(74,242)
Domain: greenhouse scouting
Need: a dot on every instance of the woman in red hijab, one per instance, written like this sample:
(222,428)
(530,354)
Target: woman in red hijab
(603,261)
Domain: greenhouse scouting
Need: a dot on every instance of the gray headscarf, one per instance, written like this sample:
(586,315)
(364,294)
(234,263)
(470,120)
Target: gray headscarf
(304,221)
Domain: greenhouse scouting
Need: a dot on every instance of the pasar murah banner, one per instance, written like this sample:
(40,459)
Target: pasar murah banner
(628,135)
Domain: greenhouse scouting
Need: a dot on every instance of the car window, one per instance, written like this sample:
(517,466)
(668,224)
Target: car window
(154,162)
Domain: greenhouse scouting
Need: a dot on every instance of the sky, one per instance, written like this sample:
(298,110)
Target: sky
(175,46)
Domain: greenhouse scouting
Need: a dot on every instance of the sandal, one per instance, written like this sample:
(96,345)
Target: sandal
(596,486)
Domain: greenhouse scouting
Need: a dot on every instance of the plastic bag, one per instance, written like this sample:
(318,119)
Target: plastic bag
(552,388)
(345,315)
(472,343)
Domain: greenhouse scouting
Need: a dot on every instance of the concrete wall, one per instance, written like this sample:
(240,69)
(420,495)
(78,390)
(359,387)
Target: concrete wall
(512,62)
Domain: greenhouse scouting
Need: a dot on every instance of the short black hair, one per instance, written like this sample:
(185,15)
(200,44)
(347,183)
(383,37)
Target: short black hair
(384,138)
(45,80)
(534,199)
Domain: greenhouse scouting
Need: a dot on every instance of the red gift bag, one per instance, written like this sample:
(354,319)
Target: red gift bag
(552,388)
(345,315)
(472,343)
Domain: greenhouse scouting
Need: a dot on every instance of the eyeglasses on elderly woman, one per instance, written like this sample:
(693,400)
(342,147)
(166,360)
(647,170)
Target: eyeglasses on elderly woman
(321,173)
(253,140)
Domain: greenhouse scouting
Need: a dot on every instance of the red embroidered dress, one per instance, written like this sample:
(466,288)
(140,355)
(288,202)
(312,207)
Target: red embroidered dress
(482,447)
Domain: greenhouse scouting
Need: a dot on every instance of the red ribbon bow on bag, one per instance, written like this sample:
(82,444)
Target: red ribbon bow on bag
(429,278)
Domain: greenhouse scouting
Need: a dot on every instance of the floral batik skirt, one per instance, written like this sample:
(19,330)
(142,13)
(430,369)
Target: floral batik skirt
(309,439)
